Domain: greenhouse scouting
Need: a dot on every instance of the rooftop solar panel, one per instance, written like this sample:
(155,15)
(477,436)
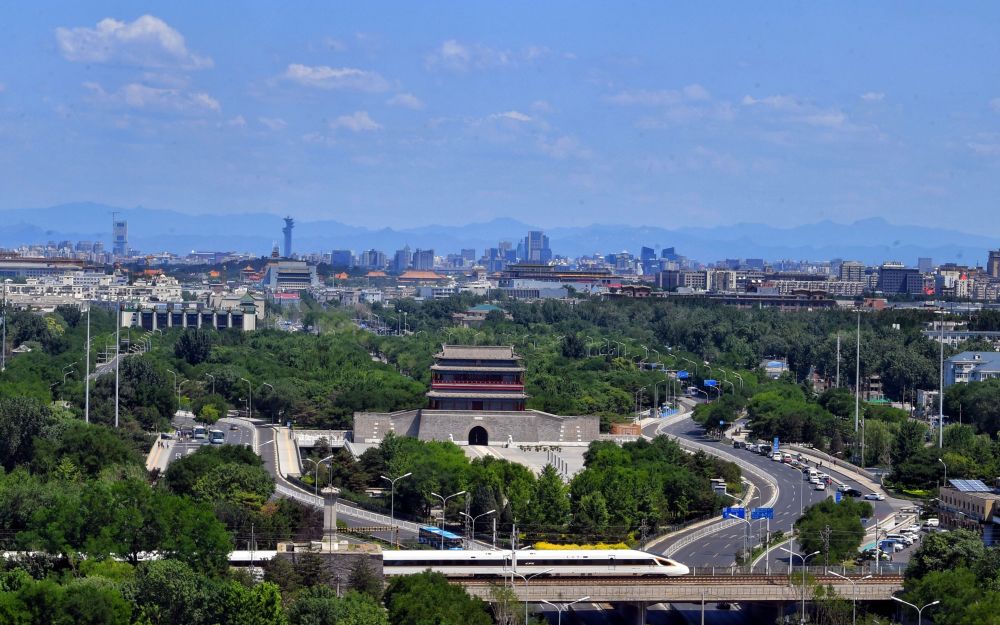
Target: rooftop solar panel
(970,486)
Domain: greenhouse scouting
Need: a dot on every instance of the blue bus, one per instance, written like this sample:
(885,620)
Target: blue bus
(435,537)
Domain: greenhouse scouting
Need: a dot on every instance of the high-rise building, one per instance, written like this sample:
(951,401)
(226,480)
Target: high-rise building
(469,255)
(925,264)
(423,260)
(119,245)
(402,260)
(287,231)
(536,247)
(895,278)
(341,258)
(852,271)
(647,257)
(993,264)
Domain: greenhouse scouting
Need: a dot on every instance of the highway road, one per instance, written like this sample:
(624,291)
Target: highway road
(795,493)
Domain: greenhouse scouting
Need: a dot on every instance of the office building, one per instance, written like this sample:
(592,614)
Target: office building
(894,278)
(402,260)
(372,259)
(287,231)
(852,271)
(423,260)
(119,245)
(925,265)
(993,264)
(536,247)
(970,505)
(341,258)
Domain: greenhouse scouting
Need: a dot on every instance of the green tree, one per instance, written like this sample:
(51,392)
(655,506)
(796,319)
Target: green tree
(834,529)
(428,599)
(551,500)
(319,605)
(942,551)
(21,420)
(364,580)
(193,346)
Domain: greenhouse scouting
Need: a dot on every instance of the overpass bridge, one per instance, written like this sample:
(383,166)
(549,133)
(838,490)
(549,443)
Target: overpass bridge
(691,588)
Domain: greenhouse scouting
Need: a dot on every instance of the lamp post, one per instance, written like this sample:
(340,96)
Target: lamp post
(392,496)
(920,610)
(176,388)
(209,375)
(746,533)
(272,390)
(250,403)
(637,404)
(526,580)
(566,606)
(854,592)
(802,616)
(70,367)
(316,474)
(474,519)
(444,511)
(945,472)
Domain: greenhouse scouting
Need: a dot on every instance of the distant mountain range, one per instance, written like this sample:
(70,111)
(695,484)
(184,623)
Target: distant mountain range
(153,230)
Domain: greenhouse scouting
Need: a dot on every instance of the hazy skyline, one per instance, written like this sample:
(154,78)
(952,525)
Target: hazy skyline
(569,113)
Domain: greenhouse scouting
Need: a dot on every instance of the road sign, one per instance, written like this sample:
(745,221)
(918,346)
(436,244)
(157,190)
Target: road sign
(837,496)
(734,513)
(711,383)
(683,375)
(762,513)
(774,448)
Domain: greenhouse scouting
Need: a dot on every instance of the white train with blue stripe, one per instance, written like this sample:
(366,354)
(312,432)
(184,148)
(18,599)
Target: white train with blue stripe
(544,562)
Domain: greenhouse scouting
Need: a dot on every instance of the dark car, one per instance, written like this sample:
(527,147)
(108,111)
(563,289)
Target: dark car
(853,492)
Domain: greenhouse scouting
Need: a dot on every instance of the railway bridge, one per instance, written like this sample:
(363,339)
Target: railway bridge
(694,588)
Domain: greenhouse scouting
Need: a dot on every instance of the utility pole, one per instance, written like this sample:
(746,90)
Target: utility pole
(857,385)
(86,375)
(838,359)
(826,544)
(118,343)
(941,389)
(3,341)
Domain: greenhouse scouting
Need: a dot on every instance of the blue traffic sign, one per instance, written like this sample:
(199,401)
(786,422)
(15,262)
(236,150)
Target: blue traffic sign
(683,375)
(711,383)
(762,513)
(774,448)
(837,496)
(734,513)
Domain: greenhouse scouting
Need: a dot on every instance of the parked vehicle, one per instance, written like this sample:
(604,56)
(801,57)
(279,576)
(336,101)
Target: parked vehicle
(903,538)
(819,486)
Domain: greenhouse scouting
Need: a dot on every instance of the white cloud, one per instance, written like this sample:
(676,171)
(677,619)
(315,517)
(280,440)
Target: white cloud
(273,123)
(512,115)
(459,57)
(995,104)
(873,96)
(3,87)
(541,106)
(776,102)
(237,122)
(406,100)
(142,97)
(346,78)
(564,147)
(661,97)
(146,42)
(358,121)
(983,148)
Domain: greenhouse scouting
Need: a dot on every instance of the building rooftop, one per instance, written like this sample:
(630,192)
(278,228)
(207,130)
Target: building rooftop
(477,352)
(420,275)
(498,369)
(983,360)
(970,486)
(475,395)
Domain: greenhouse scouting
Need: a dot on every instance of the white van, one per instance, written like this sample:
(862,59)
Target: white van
(902,538)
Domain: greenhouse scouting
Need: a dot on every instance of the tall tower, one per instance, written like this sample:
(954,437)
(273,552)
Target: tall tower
(287,230)
(119,236)
(993,264)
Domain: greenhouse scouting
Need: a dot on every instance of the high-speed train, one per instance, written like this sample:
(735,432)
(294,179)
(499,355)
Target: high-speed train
(556,563)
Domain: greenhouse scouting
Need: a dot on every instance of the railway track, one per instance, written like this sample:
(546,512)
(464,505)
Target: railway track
(770,580)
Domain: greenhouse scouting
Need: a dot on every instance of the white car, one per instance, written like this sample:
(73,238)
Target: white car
(875,497)
(819,486)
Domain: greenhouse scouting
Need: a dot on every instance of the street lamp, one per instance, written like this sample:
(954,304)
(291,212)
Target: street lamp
(209,375)
(272,390)
(392,496)
(920,611)
(854,589)
(316,474)
(474,519)
(566,606)
(176,389)
(250,403)
(746,533)
(526,580)
(444,510)
(802,616)
(945,484)
(636,403)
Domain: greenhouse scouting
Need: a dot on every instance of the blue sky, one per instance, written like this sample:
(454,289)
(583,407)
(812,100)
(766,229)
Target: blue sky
(383,114)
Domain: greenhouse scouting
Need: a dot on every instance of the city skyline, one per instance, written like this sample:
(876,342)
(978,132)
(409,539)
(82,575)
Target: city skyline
(672,117)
